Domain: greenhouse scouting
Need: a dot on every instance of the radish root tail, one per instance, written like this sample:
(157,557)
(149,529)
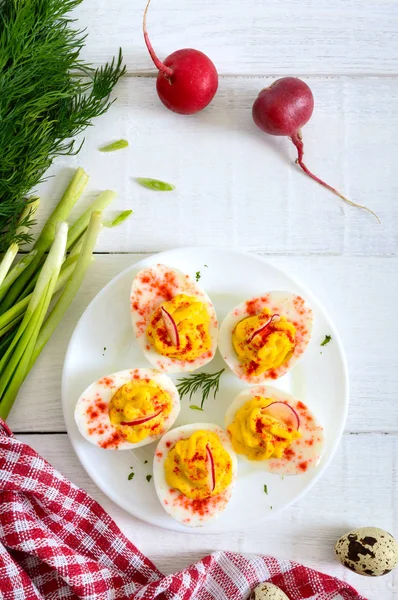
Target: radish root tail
(298,142)
(167,72)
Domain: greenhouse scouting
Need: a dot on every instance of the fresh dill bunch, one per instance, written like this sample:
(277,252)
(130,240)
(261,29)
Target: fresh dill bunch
(48,96)
(206,382)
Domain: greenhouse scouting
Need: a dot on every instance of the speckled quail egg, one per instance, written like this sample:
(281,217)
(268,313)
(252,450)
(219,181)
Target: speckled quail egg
(368,551)
(267,591)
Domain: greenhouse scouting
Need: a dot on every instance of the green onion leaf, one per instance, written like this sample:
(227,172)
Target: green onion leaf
(327,339)
(194,407)
(130,477)
(197,275)
(155,184)
(119,219)
(265,489)
(114,146)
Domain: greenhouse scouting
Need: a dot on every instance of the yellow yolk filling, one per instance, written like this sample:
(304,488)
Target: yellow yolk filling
(258,435)
(188,469)
(135,401)
(270,348)
(192,320)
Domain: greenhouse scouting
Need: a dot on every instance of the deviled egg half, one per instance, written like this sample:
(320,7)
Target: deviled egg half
(194,472)
(262,338)
(275,429)
(127,409)
(173,318)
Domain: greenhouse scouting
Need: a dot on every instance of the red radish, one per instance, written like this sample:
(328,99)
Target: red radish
(282,109)
(141,420)
(171,327)
(253,335)
(284,412)
(212,471)
(187,79)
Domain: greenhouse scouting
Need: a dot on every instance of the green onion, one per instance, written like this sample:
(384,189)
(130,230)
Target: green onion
(28,288)
(119,219)
(114,146)
(46,238)
(7,261)
(16,312)
(78,228)
(69,292)
(15,272)
(14,364)
(155,184)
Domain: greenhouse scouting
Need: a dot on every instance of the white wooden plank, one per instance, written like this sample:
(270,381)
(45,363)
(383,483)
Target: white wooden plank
(358,489)
(295,36)
(359,293)
(235,186)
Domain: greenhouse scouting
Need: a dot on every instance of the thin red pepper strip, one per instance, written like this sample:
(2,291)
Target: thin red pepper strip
(141,420)
(212,471)
(171,327)
(293,412)
(253,335)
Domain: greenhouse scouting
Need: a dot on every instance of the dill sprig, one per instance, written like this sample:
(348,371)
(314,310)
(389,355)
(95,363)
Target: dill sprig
(48,96)
(206,382)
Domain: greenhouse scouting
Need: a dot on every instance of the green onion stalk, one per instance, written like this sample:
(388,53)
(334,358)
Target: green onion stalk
(50,274)
(12,316)
(14,364)
(46,238)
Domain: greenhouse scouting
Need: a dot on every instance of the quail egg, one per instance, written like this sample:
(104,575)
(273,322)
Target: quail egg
(267,591)
(368,551)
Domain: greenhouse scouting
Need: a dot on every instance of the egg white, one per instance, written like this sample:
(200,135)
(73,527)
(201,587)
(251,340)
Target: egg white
(168,497)
(145,298)
(103,390)
(281,303)
(309,429)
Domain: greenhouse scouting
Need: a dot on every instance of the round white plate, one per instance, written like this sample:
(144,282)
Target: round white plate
(103,342)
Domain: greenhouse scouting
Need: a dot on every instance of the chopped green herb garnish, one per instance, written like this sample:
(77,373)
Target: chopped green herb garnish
(265,489)
(119,219)
(130,477)
(145,462)
(327,339)
(197,275)
(114,146)
(207,266)
(282,477)
(206,382)
(194,407)
(155,184)
(270,507)
(148,478)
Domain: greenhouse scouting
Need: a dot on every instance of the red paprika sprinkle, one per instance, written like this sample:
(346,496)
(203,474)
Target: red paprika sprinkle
(289,453)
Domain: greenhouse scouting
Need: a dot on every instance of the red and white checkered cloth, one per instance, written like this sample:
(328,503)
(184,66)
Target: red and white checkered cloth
(57,543)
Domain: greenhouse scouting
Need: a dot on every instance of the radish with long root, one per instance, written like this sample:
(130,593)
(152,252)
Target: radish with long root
(187,79)
(282,109)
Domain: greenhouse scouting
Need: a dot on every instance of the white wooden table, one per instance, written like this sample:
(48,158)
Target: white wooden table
(237,187)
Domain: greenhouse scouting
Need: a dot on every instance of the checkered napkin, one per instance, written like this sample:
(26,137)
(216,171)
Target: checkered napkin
(57,543)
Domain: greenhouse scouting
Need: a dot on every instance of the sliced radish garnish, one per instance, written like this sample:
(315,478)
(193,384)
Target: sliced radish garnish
(171,327)
(212,471)
(253,335)
(141,420)
(284,412)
